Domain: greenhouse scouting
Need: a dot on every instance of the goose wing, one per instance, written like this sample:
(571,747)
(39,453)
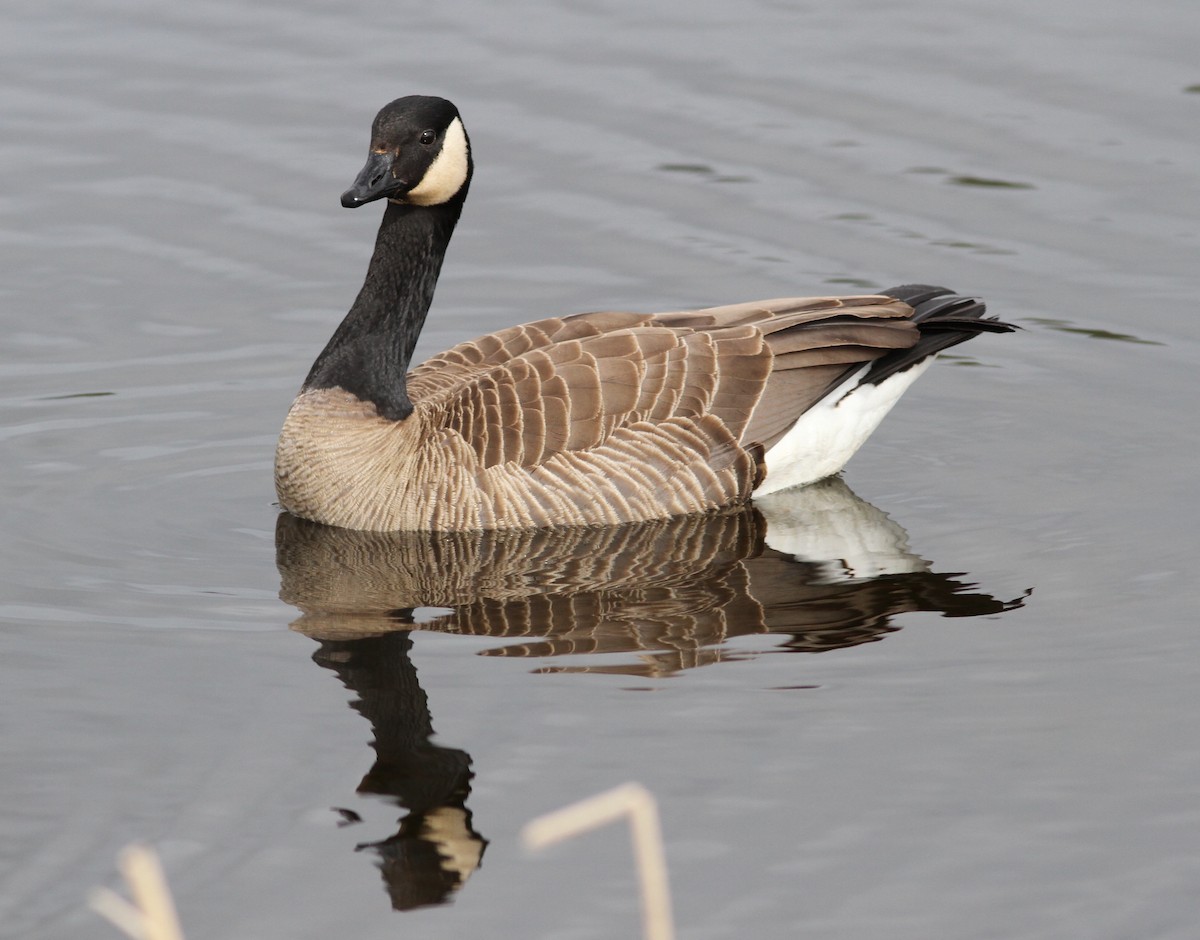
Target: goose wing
(529,393)
(565,384)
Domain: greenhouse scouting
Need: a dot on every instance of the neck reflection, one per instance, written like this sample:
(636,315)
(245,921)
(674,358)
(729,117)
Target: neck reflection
(435,849)
(818,569)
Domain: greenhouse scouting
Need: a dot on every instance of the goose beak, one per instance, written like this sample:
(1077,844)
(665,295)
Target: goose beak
(373,182)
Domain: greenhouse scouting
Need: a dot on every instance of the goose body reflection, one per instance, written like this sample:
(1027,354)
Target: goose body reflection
(818,568)
(671,592)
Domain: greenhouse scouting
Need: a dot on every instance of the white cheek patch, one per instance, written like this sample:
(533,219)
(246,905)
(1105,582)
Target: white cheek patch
(447,173)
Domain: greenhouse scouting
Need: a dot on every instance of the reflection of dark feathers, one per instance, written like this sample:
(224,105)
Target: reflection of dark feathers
(823,615)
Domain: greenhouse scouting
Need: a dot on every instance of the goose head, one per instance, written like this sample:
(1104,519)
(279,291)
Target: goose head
(420,155)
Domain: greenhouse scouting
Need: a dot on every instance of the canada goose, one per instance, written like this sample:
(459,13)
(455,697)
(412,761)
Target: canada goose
(598,418)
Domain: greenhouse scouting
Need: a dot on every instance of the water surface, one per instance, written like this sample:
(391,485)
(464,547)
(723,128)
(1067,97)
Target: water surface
(834,756)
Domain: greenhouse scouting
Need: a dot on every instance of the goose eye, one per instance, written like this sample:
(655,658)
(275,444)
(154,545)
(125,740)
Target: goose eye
(427,137)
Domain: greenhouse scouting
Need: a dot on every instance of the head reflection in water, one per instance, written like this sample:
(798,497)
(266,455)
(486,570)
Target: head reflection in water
(817,567)
(435,849)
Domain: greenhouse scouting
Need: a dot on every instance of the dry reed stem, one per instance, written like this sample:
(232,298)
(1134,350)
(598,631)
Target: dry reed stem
(152,914)
(637,803)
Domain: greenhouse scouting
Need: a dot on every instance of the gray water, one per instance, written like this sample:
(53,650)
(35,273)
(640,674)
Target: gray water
(174,257)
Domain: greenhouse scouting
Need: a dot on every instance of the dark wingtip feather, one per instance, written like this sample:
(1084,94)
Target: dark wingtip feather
(944,319)
(939,308)
(916,294)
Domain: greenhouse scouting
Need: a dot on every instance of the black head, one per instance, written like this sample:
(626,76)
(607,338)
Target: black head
(420,155)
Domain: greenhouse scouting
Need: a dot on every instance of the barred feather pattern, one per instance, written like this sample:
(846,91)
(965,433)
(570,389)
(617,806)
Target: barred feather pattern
(599,418)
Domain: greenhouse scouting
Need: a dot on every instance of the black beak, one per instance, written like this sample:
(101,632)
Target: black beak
(373,182)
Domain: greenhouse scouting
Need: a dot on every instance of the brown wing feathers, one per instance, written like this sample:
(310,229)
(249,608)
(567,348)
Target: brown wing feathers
(566,384)
(572,395)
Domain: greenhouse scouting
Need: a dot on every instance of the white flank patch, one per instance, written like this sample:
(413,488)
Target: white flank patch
(447,173)
(827,435)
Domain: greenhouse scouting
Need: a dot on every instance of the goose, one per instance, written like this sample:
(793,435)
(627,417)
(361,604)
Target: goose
(592,419)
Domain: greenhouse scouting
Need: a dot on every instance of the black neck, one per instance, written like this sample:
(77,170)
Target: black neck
(370,351)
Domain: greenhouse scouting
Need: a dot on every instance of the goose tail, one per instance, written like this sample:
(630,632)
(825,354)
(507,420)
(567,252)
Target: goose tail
(828,434)
(944,319)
